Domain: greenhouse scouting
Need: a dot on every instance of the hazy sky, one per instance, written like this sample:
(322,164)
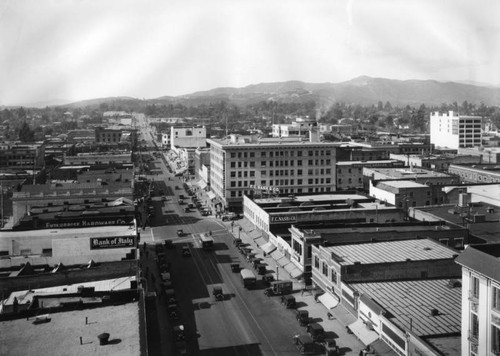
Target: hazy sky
(81,49)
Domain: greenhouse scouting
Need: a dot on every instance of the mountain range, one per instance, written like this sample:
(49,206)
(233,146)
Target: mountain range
(363,90)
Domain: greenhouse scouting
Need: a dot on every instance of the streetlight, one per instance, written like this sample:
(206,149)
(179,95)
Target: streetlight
(239,231)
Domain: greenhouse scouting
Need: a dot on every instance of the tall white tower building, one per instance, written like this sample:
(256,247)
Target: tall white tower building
(455,131)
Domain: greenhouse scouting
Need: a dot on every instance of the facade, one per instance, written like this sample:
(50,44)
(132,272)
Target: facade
(455,131)
(188,137)
(246,165)
(345,129)
(478,173)
(108,136)
(202,164)
(68,246)
(350,173)
(480,300)
(487,155)
(101,158)
(401,193)
(435,180)
(165,140)
(22,156)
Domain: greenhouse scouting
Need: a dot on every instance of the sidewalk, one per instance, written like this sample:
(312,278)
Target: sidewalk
(348,343)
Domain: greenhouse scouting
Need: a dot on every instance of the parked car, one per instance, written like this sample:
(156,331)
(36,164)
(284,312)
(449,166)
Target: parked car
(316,332)
(288,301)
(169,244)
(217,293)
(330,347)
(187,210)
(302,317)
(235,267)
(181,232)
(186,252)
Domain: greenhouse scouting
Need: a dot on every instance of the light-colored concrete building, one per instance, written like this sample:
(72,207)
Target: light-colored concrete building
(455,131)
(350,173)
(476,173)
(480,300)
(68,246)
(299,128)
(401,193)
(247,165)
(188,137)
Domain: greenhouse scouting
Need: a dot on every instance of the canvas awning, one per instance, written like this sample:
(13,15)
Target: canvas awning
(283,261)
(268,247)
(260,242)
(293,270)
(202,184)
(366,335)
(328,300)
(211,195)
(254,234)
(276,255)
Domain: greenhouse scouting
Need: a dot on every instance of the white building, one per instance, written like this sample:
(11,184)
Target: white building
(480,300)
(188,137)
(299,128)
(455,131)
(242,165)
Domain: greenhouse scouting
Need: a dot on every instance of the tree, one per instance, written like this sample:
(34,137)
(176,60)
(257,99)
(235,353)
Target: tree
(26,134)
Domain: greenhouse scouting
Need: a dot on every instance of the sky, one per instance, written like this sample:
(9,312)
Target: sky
(83,49)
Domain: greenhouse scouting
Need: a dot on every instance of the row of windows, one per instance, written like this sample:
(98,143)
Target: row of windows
(240,193)
(325,270)
(281,182)
(281,154)
(299,172)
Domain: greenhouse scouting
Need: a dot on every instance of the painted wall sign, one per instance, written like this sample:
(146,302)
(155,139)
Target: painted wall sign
(111,242)
(284,218)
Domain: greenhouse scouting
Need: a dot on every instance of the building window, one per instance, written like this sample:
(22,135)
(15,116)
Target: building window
(325,269)
(475,287)
(495,340)
(474,326)
(233,174)
(496,298)
(233,164)
(316,262)
(334,276)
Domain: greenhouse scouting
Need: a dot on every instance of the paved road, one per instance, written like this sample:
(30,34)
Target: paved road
(245,323)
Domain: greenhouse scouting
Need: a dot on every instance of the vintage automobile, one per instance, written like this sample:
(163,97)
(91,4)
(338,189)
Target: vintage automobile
(217,293)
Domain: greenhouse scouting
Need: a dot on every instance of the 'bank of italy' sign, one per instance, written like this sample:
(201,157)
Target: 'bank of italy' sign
(283,218)
(111,242)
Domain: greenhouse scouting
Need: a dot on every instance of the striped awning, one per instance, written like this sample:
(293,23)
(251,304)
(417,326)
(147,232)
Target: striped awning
(211,195)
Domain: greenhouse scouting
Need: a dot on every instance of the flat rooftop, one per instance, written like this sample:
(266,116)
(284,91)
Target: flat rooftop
(361,163)
(390,251)
(404,184)
(85,232)
(411,302)
(317,199)
(488,230)
(61,336)
(408,172)
(99,286)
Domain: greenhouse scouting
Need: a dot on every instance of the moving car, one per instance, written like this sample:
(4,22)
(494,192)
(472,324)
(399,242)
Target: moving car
(181,232)
(186,252)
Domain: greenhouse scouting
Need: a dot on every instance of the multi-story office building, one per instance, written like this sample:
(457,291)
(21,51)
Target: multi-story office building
(480,300)
(242,165)
(105,135)
(455,131)
(22,156)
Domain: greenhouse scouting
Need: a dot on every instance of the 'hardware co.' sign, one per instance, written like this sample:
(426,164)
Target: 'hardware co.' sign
(111,242)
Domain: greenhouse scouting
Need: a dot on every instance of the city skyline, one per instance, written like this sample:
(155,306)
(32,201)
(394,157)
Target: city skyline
(76,50)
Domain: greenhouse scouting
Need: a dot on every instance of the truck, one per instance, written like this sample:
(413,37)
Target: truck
(248,278)
(279,288)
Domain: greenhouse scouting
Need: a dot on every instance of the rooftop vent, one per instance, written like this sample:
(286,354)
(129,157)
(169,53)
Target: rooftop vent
(427,248)
(434,312)
(453,283)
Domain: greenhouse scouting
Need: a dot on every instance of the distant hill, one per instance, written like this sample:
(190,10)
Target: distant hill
(362,90)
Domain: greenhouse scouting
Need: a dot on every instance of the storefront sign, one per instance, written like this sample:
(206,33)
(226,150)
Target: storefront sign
(284,218)
(88,222)
(111,242)
(267,189)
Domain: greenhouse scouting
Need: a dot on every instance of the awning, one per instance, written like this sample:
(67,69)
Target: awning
(202,184)
(328,300)
(366,335)
(254,234)
(293,270)
(260,242)
(283,261)
(268,247)
(276,255)
(381,348)
(211,195)
(296,273)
